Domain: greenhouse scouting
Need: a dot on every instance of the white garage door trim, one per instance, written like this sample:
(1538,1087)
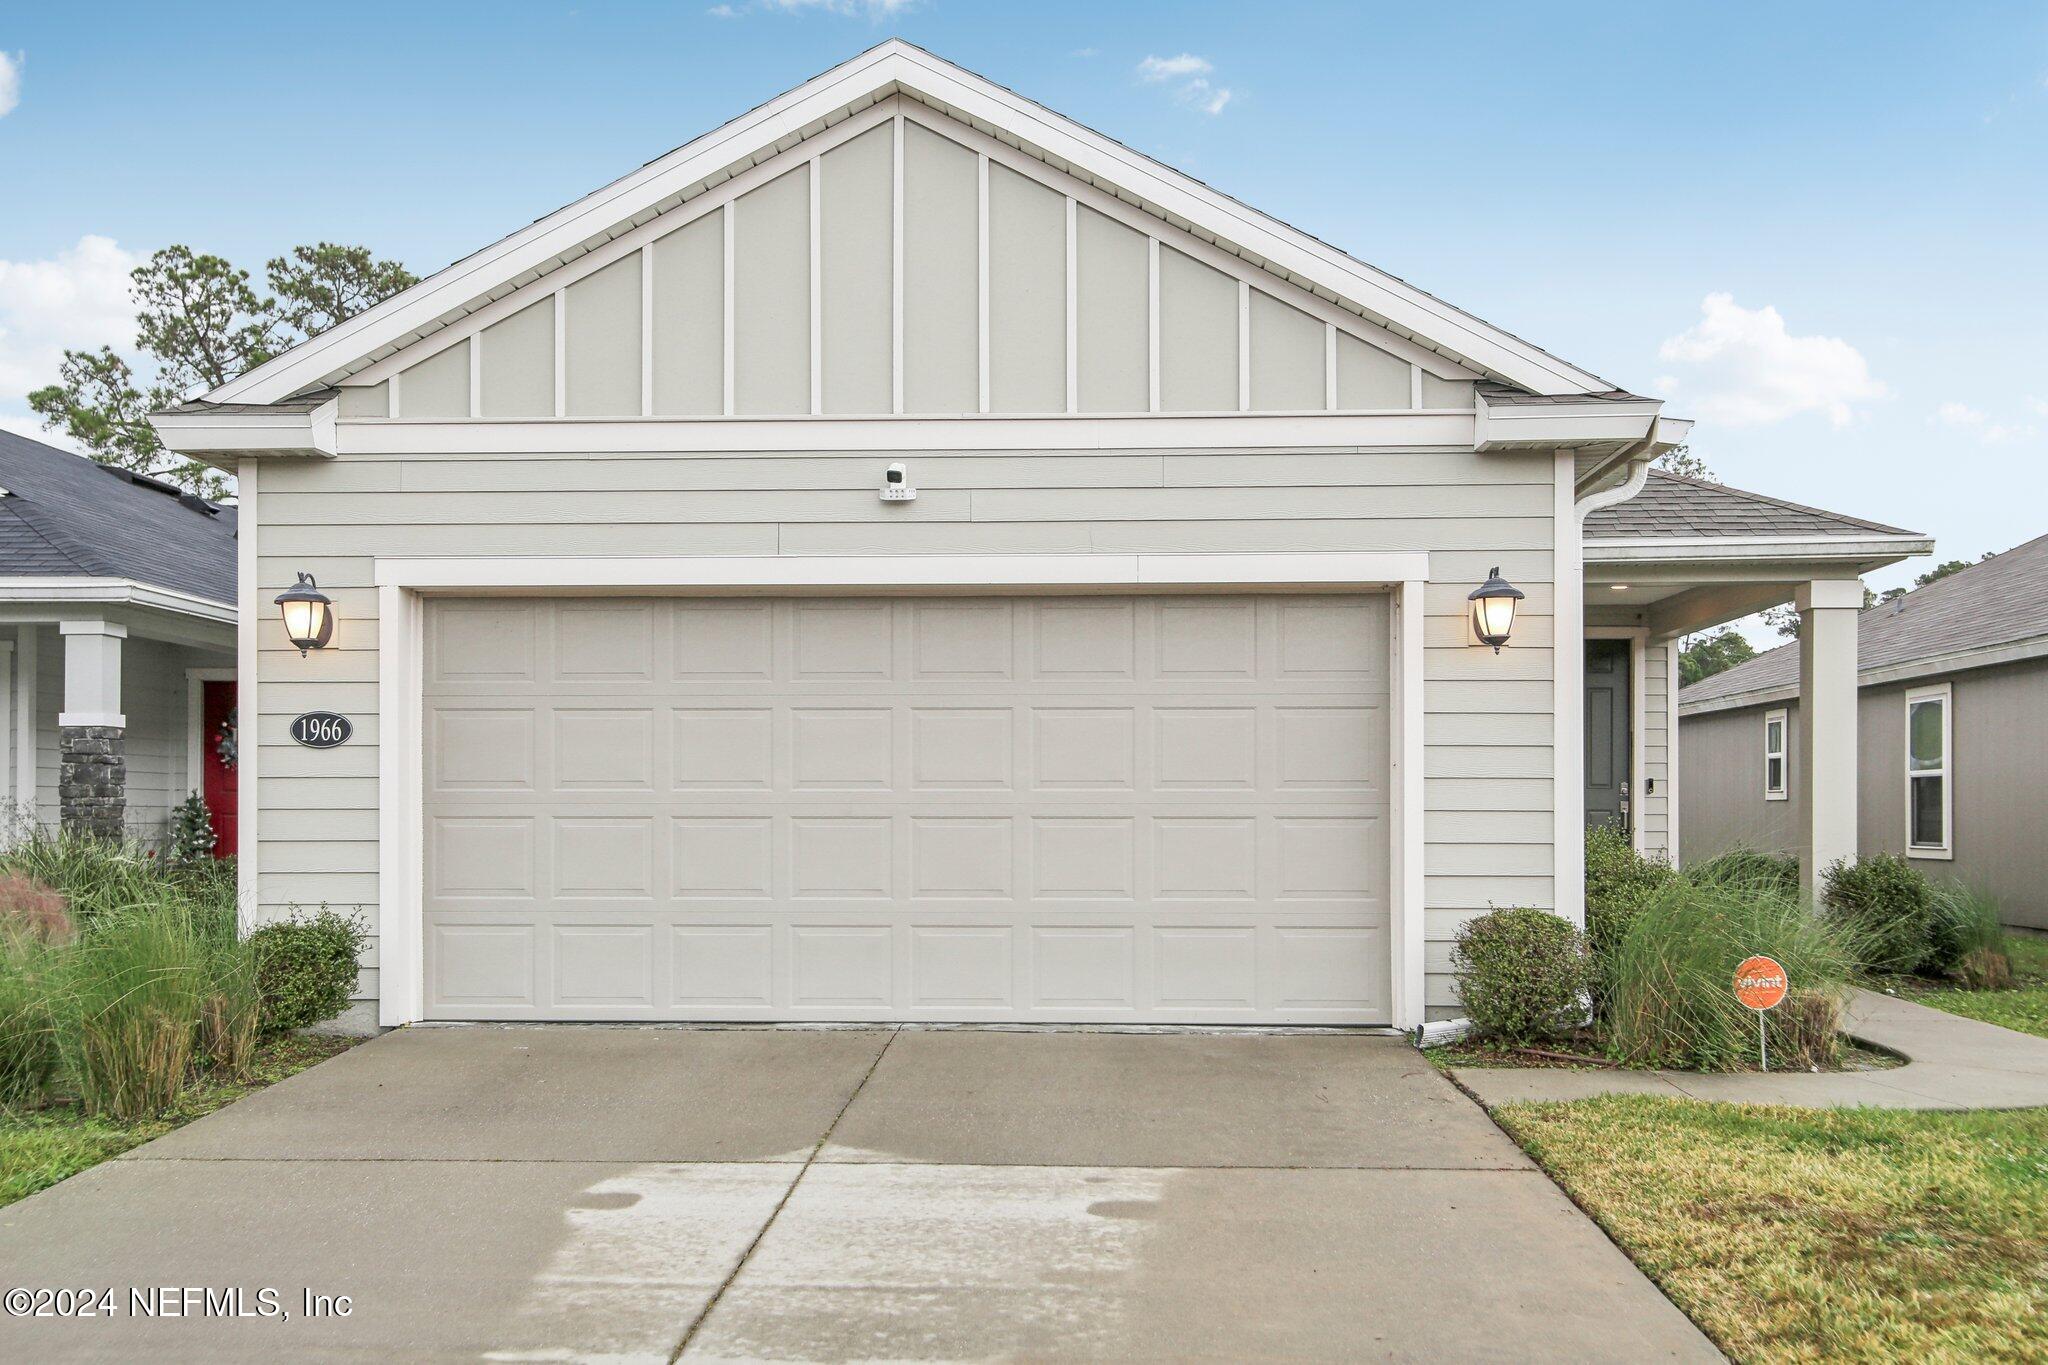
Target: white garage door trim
(401,584)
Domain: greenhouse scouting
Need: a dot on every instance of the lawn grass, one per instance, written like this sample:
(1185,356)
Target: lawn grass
(2023,1008)
(41,1148)
(1810,1234)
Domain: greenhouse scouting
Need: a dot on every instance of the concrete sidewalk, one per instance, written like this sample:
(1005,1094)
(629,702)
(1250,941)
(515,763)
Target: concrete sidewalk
(1954,1063)
(564,1192)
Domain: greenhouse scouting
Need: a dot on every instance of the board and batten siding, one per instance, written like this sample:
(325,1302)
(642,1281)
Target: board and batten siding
(905,263)
(1488,727)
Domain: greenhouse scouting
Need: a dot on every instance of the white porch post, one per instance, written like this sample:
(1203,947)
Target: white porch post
(92,777)
(1828,609)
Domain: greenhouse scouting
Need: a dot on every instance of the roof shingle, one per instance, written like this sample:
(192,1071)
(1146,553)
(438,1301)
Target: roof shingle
(1671,506)
(63,516)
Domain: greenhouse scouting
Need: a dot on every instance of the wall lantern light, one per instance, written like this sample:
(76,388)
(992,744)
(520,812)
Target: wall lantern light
(308,615)
(1493,609)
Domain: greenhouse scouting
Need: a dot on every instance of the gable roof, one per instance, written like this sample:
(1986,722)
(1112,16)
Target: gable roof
(64,516)
(899,68)
(1988,613)
(1672,506)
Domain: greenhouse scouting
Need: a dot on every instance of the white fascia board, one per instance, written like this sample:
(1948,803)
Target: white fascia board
(220,438)
(881,572)
(882,71)
(1742,549)
(1910,670)
(70,592)
(1058,431)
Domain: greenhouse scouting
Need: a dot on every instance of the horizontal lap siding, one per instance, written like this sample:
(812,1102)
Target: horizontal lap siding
(1653,792)
(1488,727)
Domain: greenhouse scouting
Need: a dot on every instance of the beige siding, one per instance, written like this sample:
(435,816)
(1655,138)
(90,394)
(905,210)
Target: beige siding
(1112,295)
(1369,378)
(777,325)
(437,387)
(1721,763)
(771,289)
(1027,295)
(1650,790)
(517,367)
(601,342)
(1197,336)
(1288,357)
(1445,393)
(856,242)
(689,319)
(941,297)
(1488,726)
(366,400)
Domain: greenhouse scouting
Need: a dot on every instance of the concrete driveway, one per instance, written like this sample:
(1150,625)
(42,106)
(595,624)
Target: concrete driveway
(637,1194)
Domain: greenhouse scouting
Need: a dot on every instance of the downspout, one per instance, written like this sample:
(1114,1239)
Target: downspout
(1638,475)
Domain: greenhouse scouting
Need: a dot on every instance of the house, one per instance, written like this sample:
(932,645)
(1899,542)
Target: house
(905,555)
(1951,680)
(117,646)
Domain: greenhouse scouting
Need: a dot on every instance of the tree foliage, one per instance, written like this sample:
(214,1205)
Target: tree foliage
(1712,652)
(199,322)
(1680,460)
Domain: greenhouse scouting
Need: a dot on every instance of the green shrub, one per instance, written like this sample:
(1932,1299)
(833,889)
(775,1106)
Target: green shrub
(99,878)
(1672,1000)
(1966,939)
(1618,881)
(1888,906)
(29,1049)
(1522,974)
(1777,870)
(306,967)
(137,984)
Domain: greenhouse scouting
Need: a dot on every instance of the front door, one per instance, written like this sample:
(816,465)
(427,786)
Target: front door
(1607,734)
(217,762)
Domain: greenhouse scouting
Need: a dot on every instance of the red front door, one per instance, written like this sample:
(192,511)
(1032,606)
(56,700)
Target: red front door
(217,734)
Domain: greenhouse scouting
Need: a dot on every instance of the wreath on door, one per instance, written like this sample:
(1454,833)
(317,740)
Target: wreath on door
(225,741)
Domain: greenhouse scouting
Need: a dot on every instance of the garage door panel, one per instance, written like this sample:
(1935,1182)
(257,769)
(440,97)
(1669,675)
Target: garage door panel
(1083,808)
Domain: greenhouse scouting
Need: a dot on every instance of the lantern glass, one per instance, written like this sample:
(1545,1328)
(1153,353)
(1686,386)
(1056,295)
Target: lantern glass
(308,614)
(1493,610)
(1495,618)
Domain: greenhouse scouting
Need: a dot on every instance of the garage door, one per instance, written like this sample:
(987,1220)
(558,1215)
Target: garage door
(1150,809)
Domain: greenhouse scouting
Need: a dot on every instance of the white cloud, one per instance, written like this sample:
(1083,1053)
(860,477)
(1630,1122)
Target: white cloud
(1168,68)
(2038,406)
(1743,367)
(1189,76)
(1963,417)
(77,298)
(10,81)
(1085,52)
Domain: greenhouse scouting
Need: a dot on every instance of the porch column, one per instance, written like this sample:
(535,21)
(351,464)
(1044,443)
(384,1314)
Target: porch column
(1828,609)
(92,775)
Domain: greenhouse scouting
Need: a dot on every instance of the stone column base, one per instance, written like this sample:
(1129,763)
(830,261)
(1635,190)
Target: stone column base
(92,779)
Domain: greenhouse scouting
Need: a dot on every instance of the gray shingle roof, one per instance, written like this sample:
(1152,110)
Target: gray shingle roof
(2002,601)
(303,402)
(1673,507)
(1502,396)
(64,516)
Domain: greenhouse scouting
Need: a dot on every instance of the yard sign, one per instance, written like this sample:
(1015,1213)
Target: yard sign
(1761,985)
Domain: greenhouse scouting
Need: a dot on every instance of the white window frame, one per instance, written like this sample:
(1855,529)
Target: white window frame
(1946,849)
(1783,791)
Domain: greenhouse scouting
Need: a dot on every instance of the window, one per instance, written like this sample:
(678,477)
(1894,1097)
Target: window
(1774,755)
(1929,798)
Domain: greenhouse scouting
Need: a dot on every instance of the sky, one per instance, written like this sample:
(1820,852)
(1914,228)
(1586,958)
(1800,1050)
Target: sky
(1817,228)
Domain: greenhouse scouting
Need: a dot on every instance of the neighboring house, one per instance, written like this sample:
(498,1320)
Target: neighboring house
(1161,700)
(1954,684)
(117,640)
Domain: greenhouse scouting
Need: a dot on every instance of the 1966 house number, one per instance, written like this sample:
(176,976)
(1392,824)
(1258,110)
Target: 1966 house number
(322,729)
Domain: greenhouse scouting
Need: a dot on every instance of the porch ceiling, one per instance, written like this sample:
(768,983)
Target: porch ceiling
(1674,586)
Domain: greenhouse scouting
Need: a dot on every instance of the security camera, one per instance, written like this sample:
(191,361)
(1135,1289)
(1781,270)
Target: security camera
(896,485)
